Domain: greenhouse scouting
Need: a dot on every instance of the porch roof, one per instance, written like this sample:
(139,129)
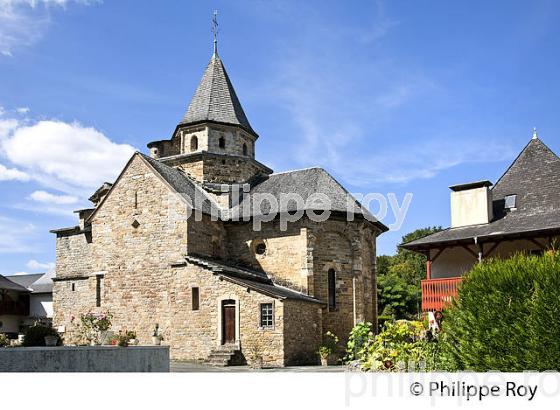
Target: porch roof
(253,279)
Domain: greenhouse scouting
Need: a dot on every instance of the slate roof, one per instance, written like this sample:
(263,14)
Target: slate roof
(35,282)
(25,280)
(534,177)
(7,284)
(304,183)
(253,279)
(215,99)
(183,185)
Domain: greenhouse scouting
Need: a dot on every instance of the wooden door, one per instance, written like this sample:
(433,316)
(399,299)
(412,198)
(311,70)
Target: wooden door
(228,321)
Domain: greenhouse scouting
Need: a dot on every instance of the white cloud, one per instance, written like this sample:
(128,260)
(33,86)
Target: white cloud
(48,198)
(22,110)
(24,22)
(38,266)
(12,174)
(65,156)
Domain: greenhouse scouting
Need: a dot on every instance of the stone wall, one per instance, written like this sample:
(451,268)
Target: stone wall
(73,254)
(349,249)
(196,333)
(303,329)
(285,256)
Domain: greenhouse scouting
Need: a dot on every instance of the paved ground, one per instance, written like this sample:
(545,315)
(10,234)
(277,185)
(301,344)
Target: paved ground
(189,367)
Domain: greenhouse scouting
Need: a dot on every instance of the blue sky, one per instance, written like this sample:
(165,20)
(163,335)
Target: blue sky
(394,96)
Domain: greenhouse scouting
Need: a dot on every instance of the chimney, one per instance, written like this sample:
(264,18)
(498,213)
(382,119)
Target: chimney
(471,204)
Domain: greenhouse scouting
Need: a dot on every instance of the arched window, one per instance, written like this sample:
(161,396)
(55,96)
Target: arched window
(222,142)
(332,288)
(194,143)
(245,149)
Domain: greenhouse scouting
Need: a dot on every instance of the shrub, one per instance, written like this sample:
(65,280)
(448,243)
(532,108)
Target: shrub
(4,341)
(35,335)
(358,341)
(506,316)
(402,345)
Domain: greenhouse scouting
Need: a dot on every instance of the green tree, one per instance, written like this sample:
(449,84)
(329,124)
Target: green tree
(399,276)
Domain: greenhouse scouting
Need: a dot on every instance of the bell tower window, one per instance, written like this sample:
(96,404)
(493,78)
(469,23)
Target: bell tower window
(194,143)
(245,149)
(222,142)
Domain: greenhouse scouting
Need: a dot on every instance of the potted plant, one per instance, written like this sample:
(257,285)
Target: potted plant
(95,327)
(51,340)
(156,336)
(327,348)
(131,336)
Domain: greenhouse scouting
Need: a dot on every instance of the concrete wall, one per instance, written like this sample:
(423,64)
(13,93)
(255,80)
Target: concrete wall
(85,359)
(471,207)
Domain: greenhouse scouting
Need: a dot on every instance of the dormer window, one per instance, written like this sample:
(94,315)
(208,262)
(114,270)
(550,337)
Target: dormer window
(510,202)
(222,142)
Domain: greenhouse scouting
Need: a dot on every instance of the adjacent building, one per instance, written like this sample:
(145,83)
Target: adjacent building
(519,213)
(24,299)
(189,238)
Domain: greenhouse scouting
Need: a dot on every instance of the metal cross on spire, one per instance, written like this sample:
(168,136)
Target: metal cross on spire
(215,31)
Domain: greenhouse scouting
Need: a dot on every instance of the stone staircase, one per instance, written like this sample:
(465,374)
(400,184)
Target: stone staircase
(225,355)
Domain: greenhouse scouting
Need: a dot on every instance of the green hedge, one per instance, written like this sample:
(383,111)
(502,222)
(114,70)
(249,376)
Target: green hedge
(507,317)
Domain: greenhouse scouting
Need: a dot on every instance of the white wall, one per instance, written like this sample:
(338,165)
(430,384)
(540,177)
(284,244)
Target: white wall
(41,305)
(471,207)
(456,261)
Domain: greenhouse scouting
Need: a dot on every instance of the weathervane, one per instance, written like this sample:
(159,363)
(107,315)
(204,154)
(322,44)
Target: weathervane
(215,31)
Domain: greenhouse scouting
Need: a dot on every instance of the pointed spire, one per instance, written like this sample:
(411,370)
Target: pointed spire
(215,31)
(215,99)
(535,135)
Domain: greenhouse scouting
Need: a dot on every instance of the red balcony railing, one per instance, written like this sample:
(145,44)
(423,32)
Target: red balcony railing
(438,293)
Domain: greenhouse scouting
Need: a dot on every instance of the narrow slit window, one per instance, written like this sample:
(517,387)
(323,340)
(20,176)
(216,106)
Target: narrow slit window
(195,298)
(222,142)
(267,315)
(98,286)
(332,289)
(245,149)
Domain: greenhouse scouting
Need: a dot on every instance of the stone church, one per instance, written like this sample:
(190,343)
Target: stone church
(173,241)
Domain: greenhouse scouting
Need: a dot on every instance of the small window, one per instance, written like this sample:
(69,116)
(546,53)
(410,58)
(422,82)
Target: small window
(245,149)
(73,287)
(332,289)
(260,249)
(267,315)
(195,298)
(510,201)
(98,285)
(222,142)
(194,143)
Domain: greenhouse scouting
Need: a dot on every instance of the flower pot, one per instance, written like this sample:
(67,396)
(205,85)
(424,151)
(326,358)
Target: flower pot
(156,341)
(51,341)
(324,361)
